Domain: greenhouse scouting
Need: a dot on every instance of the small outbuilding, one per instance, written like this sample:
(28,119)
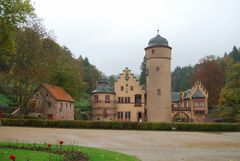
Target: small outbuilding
(52,102)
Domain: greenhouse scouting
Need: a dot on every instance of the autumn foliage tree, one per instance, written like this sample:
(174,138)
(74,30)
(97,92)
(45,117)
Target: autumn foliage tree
(212,75)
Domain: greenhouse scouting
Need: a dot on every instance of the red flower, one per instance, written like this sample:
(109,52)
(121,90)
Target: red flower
(49,146)
(61,142)
(12,157)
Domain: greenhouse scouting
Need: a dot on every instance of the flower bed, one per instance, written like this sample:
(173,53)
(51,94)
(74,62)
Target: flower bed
(66,152)
(68,155)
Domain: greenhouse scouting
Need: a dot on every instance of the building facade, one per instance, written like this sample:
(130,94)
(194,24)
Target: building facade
(129,101)
(129,97)
(52,102)
(123,103)
(190,105)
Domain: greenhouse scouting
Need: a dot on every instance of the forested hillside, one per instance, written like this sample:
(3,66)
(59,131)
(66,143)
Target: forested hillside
(29,56)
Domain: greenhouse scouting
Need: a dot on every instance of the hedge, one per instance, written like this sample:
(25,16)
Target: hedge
(123,125)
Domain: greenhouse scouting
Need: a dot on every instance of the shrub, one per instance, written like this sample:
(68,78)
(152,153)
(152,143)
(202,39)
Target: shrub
(122,125)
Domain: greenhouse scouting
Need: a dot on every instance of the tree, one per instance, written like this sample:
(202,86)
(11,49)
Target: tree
(229,98)
(235,54)
(212,75)
(13,13)
(182,78)
(23,75)
(143,72)
(111,80)
(91,75)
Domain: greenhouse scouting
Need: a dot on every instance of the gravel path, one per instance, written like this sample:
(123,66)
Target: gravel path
(146,145)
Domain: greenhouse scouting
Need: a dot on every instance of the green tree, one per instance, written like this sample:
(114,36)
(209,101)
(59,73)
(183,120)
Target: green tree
(143,72)
(235,54)
(182,78)
(23,76)
(229,98)
(111,80)
(91,75)
(13,14)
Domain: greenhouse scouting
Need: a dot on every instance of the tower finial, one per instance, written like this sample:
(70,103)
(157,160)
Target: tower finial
(158,31)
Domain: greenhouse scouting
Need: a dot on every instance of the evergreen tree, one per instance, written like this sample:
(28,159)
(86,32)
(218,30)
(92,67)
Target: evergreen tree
(143,72)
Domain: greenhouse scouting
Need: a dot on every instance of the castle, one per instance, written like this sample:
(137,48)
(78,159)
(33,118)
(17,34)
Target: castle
(129,101)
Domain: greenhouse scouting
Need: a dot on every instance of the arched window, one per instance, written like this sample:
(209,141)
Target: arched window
(157,68)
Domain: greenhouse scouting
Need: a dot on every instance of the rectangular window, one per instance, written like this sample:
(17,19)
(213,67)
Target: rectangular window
(121,115)
(131,88)
(119,100)
(95,98)
(158,92)
(122,88)
(199,112)
(127,115)
(128,99)
(107,99)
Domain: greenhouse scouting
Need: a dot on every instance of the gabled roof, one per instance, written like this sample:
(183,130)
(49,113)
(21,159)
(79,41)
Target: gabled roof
(58,92)
(198,94)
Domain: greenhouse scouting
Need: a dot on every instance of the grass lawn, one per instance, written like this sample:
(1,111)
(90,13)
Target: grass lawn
(94,154)
(104,155)
(23,155)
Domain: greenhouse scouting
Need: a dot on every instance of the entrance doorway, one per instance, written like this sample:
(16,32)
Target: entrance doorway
(139,116)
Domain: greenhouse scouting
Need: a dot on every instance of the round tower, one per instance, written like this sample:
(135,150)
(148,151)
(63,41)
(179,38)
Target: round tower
(158,71)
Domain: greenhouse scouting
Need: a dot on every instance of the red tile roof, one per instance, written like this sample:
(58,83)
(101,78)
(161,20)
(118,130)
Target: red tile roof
(58,92)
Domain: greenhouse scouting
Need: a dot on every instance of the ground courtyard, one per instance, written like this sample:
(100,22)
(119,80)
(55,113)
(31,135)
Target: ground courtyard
(146,145)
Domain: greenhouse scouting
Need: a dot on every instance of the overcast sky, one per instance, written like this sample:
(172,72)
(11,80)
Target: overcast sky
(114,33)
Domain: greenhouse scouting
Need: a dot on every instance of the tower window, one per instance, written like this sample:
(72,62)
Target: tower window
(152,51)
(158,92)
(157,68)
